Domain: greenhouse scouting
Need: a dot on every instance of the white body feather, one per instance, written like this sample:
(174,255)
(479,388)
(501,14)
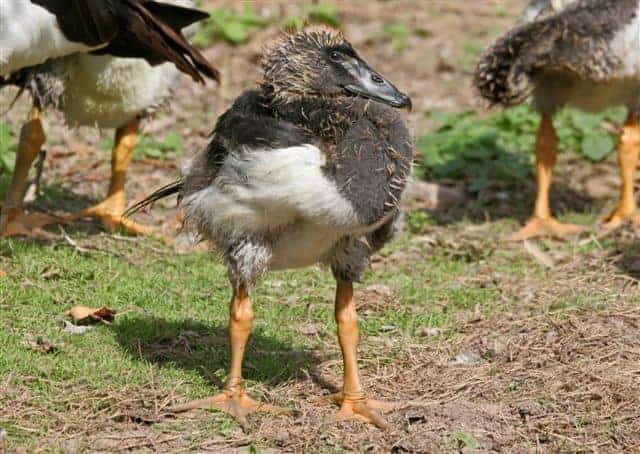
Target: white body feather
(29,35)
(108,92)
(284,195)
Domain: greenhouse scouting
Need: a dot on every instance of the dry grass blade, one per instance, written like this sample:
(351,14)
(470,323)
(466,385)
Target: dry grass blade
(538,254)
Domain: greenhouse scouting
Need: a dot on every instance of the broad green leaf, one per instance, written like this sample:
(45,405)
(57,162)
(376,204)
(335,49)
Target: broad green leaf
(597,147)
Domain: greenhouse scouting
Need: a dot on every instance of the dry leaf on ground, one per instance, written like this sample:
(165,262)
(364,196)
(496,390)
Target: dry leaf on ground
(41,345)
(83,315)
(539,255)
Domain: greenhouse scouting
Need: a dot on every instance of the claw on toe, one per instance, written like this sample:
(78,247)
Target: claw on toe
(357,406)
(235,403)
(546,227)
(619,216)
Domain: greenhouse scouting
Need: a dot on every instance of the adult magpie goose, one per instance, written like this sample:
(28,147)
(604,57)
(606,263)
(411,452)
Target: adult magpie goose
(95,90)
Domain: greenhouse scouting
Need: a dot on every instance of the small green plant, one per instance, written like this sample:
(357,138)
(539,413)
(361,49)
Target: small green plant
(501,11)
(325,13)
(399,34)
(230,26)
(7,148)
(460,439)
(498,150)
(584,132)
(320,14)
(149,147)
(417,221)
(293,24)
(484,152)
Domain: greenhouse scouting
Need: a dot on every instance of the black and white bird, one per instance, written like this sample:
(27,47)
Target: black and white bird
(34,31)
(307,168)
(578,53)
(49,47)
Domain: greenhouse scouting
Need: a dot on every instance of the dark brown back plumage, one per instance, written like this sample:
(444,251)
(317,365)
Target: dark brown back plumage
(576,42)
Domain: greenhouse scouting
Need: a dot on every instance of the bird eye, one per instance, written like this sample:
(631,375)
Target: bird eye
(377,78)
(335,56)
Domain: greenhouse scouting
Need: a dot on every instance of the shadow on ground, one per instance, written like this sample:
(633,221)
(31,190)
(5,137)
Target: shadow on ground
(626,255)
(495,203)
(55,200)
(204,348)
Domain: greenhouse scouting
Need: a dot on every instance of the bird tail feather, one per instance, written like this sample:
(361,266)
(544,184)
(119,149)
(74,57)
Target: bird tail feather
(161,193)
(500,77)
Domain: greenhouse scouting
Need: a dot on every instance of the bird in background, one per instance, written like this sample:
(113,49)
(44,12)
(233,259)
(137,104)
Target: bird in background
(307,168)
(105,63)
(579,53)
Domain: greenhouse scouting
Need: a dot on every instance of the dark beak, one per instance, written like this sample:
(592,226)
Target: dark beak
(371,85)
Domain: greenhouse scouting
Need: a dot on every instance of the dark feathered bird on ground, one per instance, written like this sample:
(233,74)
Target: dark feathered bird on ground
(90,89)
(586,55)
(307,168)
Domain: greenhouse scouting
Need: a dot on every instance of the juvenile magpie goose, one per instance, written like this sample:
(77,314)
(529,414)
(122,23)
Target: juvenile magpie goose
(307,168)
(579,53)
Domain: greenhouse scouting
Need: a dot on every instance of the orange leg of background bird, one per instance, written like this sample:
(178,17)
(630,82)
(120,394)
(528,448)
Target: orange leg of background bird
(111,209)
(233,399)
(13,220)
(628,152)
(542,222)
(352,400)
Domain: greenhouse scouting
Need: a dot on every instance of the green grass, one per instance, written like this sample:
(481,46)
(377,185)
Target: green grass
(165,299)
(150,147)
(170,335)
(237,26)
(7,147)
(232,26)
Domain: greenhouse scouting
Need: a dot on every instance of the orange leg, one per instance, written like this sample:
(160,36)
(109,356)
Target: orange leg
(352,400)
(233,399)
(628,151)
(13,220)
(110,210)
(542,222)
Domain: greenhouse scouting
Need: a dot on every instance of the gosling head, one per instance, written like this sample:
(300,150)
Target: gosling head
(318,62)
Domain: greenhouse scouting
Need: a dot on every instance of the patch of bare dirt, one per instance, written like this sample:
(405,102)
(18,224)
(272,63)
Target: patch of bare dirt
(549,382)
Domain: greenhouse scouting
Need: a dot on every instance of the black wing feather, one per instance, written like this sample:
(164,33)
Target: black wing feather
(134,29)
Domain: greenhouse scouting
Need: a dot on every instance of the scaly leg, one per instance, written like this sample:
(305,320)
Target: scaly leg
(542,222)
(233,399)
(13,220)
(111,209)
(628,151)
(352,400)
